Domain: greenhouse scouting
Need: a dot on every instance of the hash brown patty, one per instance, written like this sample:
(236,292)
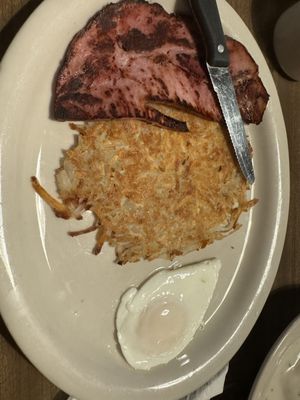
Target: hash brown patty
(154,193)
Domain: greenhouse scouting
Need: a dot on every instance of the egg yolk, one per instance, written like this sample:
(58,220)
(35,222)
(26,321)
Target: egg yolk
(161,325)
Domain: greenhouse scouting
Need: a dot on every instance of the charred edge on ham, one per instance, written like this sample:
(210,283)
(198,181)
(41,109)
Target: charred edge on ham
(131,53)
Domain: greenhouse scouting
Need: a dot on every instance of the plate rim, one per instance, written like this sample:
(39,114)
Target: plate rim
(281,342)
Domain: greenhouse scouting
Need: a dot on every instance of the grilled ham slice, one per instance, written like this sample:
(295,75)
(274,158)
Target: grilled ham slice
(133,53)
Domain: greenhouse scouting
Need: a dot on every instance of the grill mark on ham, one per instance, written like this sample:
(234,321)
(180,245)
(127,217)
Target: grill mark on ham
(132,53)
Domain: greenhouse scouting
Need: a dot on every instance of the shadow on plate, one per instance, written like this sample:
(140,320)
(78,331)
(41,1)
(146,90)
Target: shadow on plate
(281,308)
(264,17)
(12,27)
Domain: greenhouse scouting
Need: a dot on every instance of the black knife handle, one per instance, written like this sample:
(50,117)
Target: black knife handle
(208,19)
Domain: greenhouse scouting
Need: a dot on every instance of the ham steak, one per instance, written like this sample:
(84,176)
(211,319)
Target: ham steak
(131,54)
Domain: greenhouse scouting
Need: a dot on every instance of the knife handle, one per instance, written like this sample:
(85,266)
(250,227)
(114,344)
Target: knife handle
(208,19)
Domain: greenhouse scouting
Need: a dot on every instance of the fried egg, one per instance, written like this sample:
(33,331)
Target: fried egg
(156,321)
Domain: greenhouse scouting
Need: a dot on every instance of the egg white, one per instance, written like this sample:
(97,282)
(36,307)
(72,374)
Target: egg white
(156,321)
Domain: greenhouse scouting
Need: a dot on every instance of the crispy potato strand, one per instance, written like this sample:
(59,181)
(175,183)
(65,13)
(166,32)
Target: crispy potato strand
(156,193)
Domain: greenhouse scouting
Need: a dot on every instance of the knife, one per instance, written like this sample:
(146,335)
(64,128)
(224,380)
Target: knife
(207,17)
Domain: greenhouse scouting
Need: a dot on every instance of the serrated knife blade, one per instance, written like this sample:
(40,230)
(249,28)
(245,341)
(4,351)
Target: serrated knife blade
(223,86)
(207,16)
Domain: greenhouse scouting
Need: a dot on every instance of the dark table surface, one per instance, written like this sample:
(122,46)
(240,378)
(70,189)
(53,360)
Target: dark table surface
(19,380)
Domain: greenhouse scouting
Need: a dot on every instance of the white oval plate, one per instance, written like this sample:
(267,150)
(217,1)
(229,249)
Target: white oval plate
(279,376)
(59,300)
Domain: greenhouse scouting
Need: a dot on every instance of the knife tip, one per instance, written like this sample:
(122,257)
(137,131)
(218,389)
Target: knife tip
(250,177)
